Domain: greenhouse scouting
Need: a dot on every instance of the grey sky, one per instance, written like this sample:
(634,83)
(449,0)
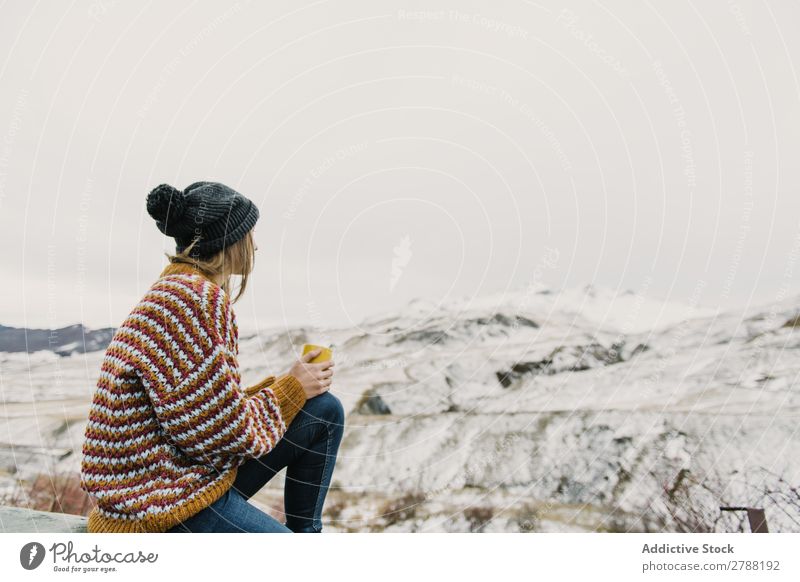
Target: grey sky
(397,150)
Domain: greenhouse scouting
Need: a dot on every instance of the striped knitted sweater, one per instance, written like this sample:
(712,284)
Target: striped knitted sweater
(169,423)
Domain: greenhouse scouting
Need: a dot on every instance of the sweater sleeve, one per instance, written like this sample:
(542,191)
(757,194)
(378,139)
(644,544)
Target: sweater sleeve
(203,410)
(289,401)
(268,381)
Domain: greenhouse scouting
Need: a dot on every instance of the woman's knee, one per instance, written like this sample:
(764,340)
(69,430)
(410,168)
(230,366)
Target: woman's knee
(334,407)
(328,407)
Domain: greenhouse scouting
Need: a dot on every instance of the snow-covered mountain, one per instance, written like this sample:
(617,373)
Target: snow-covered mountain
(536,410)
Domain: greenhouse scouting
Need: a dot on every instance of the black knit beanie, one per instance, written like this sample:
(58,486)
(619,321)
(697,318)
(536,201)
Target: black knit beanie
(217,214)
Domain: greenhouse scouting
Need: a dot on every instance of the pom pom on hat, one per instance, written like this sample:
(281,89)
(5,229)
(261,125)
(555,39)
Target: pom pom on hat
(166,204)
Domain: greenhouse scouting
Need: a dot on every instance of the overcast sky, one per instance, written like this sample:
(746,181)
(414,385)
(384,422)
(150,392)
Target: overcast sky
(402,149)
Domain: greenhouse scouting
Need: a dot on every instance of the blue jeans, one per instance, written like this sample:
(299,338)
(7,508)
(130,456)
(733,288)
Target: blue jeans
(308,449)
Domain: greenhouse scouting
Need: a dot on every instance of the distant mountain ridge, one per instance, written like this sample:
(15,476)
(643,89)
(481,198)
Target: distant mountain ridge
(63,341)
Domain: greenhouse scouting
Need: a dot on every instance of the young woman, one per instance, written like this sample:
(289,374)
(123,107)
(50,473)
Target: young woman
(174,443)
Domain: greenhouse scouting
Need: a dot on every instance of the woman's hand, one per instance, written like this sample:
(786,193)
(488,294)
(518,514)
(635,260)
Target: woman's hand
(315,378)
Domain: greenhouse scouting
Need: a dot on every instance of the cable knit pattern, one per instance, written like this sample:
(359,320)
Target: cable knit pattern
(169,422)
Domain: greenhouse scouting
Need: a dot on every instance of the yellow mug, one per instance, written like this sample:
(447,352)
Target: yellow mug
(323,356)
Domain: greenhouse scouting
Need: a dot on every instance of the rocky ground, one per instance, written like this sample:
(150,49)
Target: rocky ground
(579,410)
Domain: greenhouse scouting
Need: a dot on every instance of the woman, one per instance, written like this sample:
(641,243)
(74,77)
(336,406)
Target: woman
(173,442)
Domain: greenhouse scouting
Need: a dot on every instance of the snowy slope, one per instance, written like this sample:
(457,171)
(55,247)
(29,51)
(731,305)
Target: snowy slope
(575,410)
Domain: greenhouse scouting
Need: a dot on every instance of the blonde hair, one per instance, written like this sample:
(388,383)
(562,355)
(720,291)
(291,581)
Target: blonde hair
(240,256)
